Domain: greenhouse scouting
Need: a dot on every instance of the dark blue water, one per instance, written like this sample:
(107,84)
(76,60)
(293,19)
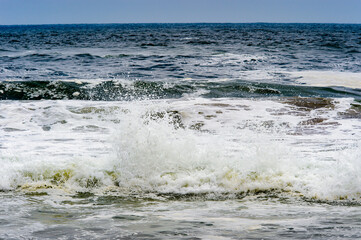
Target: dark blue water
(37,62)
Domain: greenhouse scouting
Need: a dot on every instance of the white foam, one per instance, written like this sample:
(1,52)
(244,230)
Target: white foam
(241,145)
(328,78)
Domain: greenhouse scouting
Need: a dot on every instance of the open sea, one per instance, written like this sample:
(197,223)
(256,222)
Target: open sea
(180,131)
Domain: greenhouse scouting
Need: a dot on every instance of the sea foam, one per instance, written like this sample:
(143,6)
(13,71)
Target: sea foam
(220,148)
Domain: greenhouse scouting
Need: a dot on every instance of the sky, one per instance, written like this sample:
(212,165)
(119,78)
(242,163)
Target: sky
(178,11)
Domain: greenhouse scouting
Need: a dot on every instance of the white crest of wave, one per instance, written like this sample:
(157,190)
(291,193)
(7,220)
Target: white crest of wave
(149,147)
(155,156)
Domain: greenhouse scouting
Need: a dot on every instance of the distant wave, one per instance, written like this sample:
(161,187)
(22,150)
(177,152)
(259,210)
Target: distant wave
(130,90)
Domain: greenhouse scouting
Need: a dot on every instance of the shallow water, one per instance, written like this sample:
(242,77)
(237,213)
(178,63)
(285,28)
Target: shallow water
(185,131)
(261,217)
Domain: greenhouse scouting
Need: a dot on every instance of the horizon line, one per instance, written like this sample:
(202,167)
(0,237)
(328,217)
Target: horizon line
(144,23)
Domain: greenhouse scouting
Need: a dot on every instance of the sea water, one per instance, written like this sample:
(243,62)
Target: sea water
(180,131)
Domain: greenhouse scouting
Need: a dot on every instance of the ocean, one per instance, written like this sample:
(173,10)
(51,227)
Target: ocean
(180,131)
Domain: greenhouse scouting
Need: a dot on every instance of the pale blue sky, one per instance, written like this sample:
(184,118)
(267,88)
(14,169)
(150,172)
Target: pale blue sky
(160,11)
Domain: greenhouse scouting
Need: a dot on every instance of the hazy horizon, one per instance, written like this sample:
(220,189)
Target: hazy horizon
(149,23)
(39,12)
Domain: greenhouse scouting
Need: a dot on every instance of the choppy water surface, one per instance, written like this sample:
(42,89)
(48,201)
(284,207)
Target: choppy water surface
(180,131)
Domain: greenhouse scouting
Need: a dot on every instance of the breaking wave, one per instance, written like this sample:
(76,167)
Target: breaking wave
(155,150)
(135,90)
